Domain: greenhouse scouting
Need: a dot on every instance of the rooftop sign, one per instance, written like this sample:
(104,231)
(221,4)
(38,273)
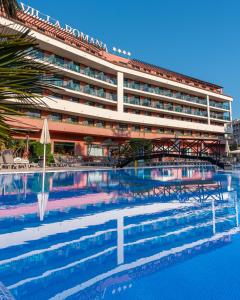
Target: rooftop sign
(75,32)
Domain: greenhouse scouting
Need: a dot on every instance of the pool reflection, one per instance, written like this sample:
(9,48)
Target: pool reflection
(95,233)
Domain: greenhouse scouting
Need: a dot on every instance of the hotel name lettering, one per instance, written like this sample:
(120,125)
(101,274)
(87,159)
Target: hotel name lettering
(75,32)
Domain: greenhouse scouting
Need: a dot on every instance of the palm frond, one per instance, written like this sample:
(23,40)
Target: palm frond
(21,77)
(10,7)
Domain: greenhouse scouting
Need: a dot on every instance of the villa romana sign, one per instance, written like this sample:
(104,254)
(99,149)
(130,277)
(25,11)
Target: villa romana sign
(75,32)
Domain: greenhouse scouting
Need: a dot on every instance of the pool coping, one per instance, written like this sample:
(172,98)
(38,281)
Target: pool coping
(92,169)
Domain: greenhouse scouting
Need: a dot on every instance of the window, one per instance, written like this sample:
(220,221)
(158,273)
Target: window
(74,66)
(147,129)
(58,81)
(123,126)
(89,103)
(64,148)
(100,124)
(146,102)
(147,113)
(100,105)
(74,99)
(95,150)
(33,113)
(71,119)
(59,60)
(39,54)
(89,122)
(160,130)
(76,85)
(57,96)
(55,117)
(136,128)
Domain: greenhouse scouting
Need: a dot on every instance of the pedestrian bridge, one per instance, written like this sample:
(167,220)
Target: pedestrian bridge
(209,150)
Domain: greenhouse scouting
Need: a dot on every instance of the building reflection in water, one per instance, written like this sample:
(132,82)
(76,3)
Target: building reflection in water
(100,231)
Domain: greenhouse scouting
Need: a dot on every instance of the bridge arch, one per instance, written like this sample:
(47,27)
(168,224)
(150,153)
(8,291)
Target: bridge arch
(209,150)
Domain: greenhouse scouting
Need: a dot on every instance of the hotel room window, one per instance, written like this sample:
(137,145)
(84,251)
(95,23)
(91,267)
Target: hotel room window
(136,128)
(58,81)
(122,126)
(147,129)
(74,99)
(59,61)
(100,124)
(33,113)
(89,122)
(72,119)
(57,96)
(55,117)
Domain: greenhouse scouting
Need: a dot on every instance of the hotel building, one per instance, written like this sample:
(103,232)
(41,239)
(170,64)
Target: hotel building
(236,131)
(108,96)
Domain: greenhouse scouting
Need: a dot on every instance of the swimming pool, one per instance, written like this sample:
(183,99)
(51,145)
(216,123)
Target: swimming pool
(157,233)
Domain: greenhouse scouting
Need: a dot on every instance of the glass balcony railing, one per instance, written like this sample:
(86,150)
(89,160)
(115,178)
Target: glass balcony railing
(167,107)
(77,68)
(220,117)
(85,89)
(165,92)
(223,105)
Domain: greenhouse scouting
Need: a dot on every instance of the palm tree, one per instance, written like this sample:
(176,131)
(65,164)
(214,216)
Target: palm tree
(10,7)
(88,141)
(21,77)
(108,143)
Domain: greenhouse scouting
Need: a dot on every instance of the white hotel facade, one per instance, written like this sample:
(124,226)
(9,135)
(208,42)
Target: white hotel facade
(107,96)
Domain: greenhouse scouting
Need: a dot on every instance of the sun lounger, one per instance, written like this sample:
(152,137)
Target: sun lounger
(2,165)
(8,159)
(24,163)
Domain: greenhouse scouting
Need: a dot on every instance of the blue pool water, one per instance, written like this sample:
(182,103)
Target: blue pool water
(125,234)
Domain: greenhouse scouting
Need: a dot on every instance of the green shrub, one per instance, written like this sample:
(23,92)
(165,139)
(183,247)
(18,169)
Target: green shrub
(37,152)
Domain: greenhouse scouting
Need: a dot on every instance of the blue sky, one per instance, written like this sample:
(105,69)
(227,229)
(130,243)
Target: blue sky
(196,38)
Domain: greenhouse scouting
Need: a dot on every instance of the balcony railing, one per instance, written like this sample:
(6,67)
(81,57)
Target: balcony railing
(86,90)
(219,105)
(76,68)
(165,92)
(219,117)
(167,107)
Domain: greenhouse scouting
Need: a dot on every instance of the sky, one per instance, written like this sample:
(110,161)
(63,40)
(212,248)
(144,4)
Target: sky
(197,38)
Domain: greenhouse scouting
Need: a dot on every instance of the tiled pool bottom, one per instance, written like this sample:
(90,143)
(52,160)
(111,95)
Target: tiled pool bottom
(125,234)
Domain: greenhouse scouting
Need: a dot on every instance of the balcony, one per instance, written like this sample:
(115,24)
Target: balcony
(219,116)
(162,106)
(75,86)
(221,105)
(72,66)
(165,92)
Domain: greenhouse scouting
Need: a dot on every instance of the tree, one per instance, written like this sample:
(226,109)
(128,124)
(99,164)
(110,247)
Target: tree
(21,77)
(10,7)
(138,146)
(88,141)
(108,143)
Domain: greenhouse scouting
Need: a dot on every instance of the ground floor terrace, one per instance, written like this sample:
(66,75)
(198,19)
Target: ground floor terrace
(70,139)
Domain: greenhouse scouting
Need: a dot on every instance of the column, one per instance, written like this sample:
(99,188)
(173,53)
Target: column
(120,92)
(230,110)
(208,110)
(52,147)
